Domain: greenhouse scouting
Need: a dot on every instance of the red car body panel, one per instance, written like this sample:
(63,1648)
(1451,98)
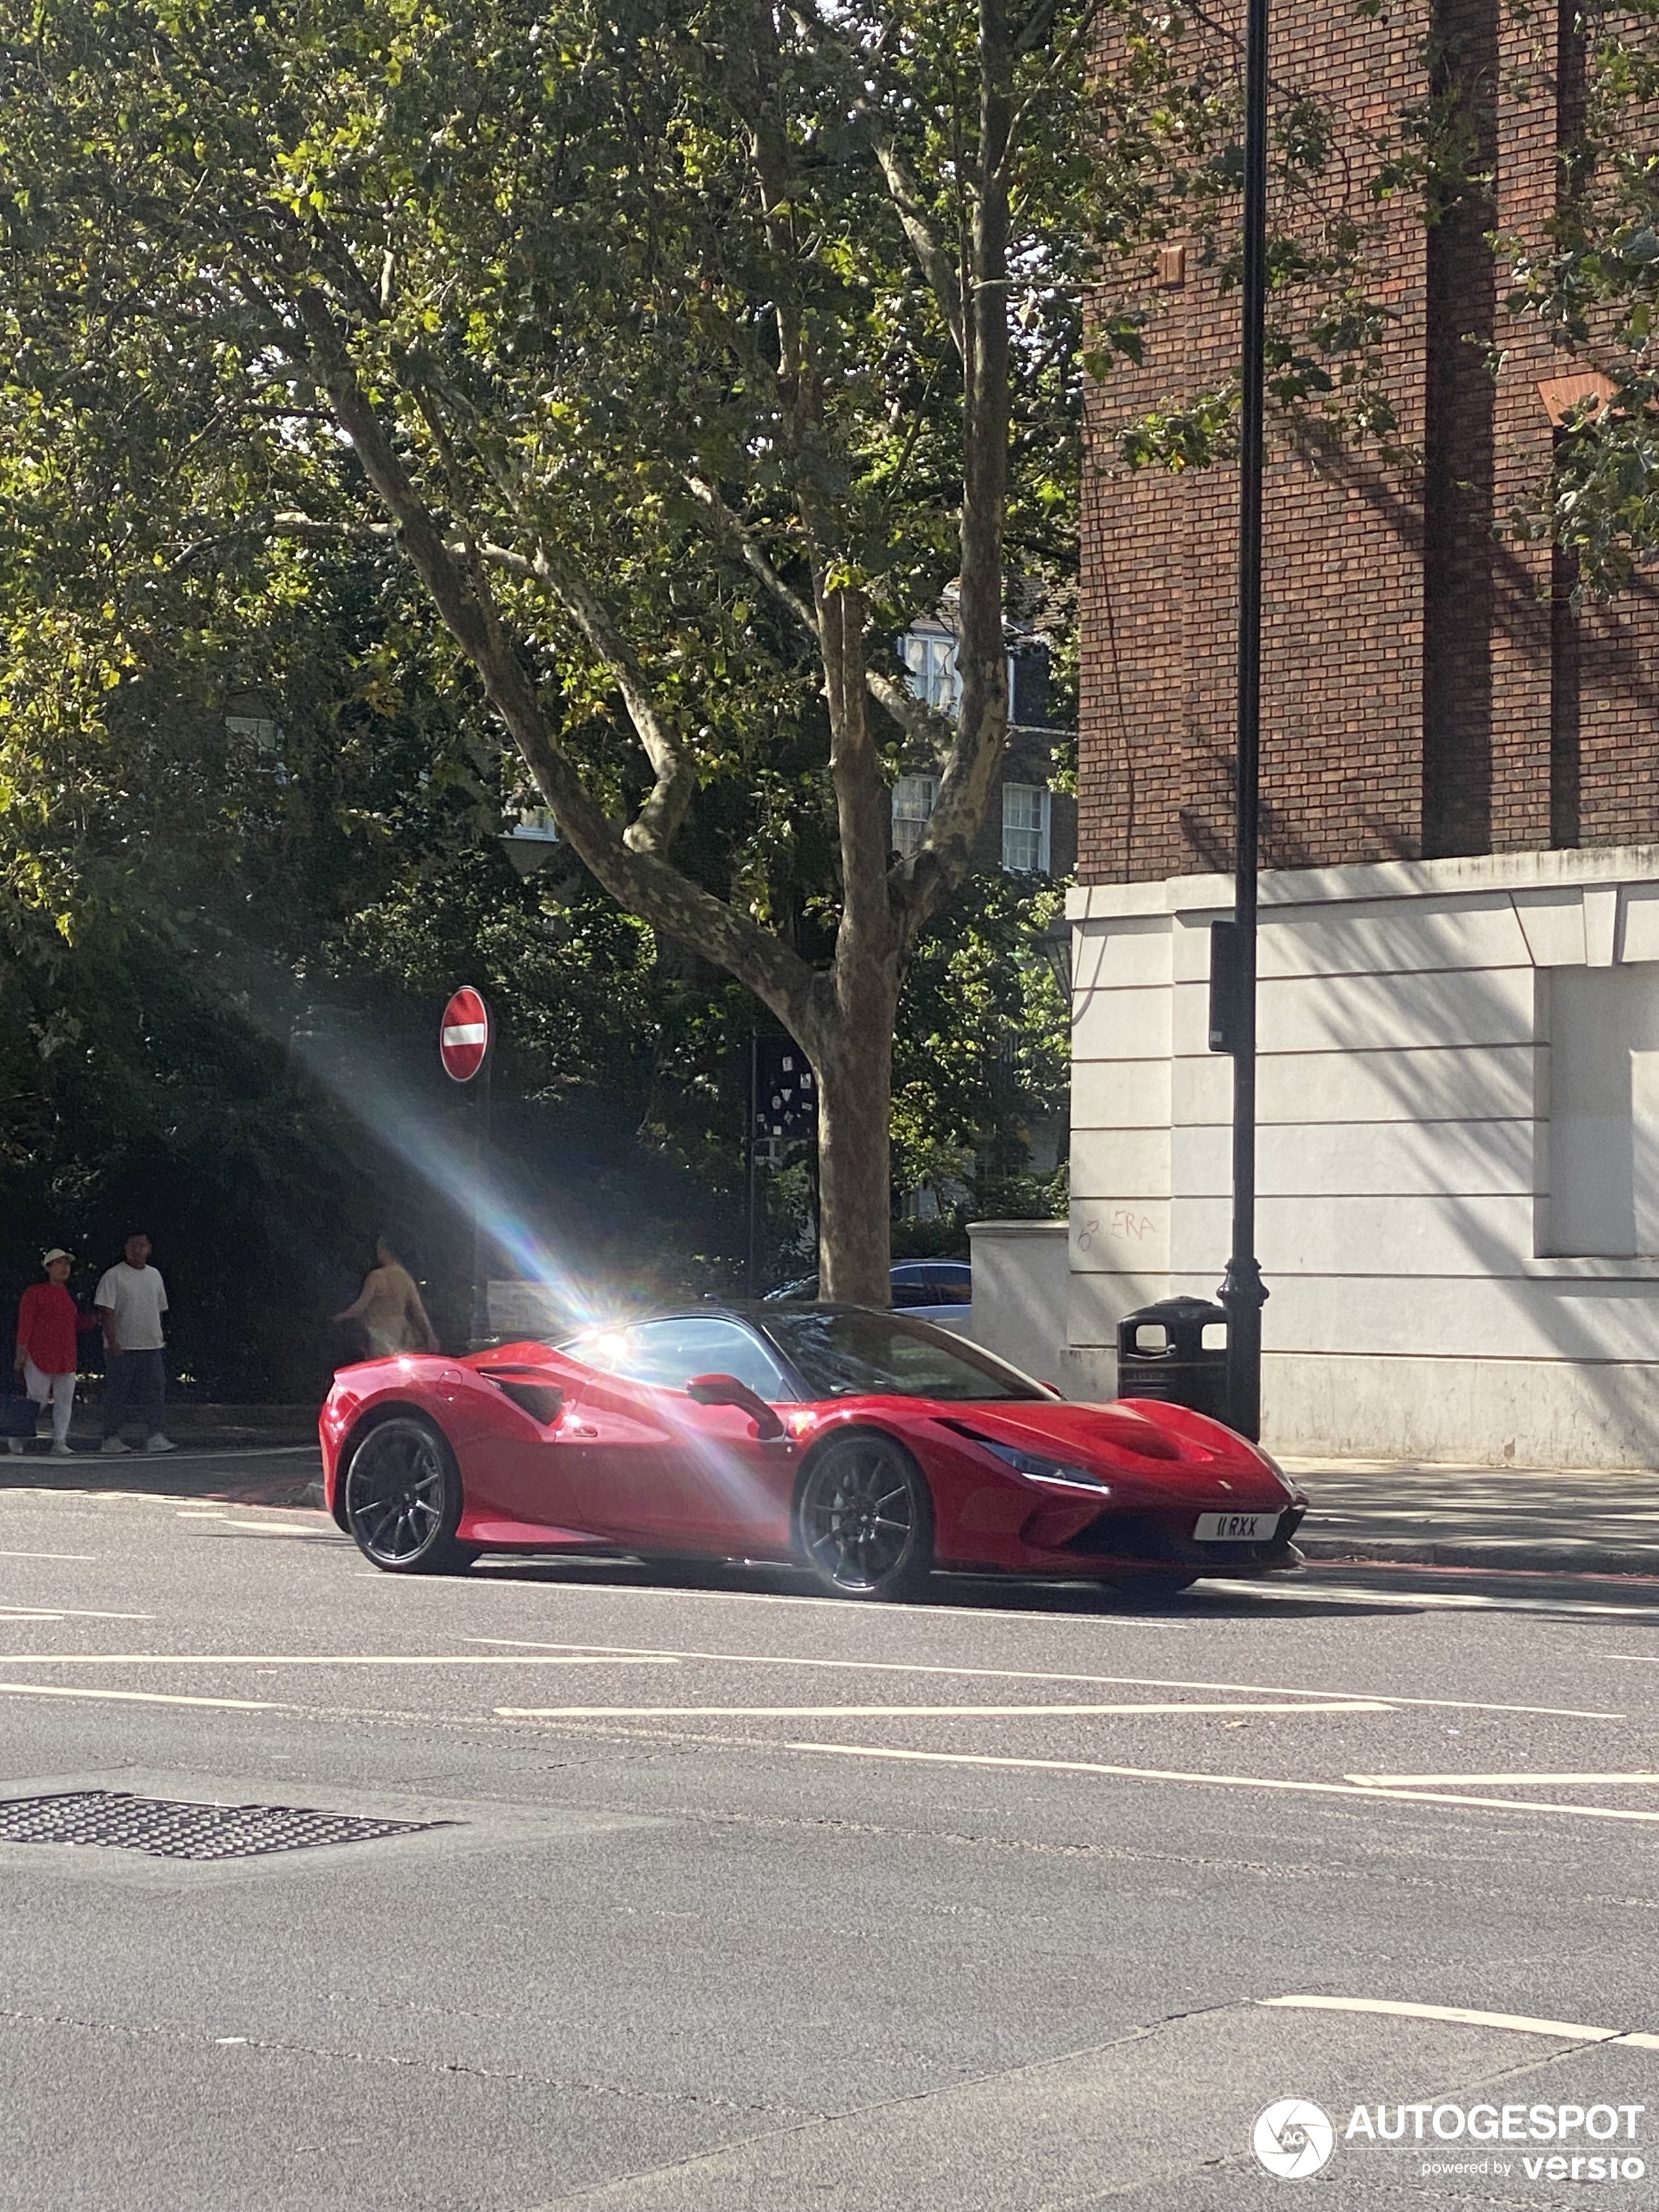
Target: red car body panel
(630,1465)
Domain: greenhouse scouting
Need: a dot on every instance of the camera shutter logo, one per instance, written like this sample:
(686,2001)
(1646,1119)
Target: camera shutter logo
(1293,2138)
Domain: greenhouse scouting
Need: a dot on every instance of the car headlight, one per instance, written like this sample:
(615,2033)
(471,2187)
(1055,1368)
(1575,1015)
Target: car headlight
(1048,1470)
(1272,1464)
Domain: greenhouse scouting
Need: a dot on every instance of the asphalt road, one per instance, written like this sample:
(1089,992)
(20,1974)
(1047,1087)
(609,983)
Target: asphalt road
(719,1897)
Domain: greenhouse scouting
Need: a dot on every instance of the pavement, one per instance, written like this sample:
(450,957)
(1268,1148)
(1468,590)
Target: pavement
(1531,1520)
(708,1894)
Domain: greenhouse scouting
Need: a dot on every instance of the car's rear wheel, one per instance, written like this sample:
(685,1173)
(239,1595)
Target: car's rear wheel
(864,1521)
(403,1498)
(1150,1582)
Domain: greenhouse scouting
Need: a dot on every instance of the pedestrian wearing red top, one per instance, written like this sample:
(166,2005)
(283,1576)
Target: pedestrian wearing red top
(49,1326)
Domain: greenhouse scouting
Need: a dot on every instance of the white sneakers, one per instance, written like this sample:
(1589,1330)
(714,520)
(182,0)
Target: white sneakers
(113,1444)
(159,1443)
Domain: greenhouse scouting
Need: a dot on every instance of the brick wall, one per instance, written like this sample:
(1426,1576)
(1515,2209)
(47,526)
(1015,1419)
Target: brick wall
(1427,689)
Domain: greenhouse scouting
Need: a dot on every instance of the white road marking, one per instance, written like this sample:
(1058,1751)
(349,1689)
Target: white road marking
(1519,2023)
(63,1612)
(1433,1600)
(280,1529)
(1228,1781)
(1491,1781)
(1033,1674)
(136,1697)
(295,1659)
(892,1712)
(48,1555)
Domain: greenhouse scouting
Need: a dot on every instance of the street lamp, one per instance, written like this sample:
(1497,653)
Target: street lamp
(1054,946)
(1243,1292)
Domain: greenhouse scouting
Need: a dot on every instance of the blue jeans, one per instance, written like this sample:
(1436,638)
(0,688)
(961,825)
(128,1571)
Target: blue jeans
(136,1387)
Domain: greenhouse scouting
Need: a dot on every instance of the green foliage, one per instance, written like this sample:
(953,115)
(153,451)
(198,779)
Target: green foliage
(1170,166)
(1594,284)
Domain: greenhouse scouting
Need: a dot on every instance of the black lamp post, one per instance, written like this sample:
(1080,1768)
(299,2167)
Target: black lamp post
(1054,945)
(1243,1292)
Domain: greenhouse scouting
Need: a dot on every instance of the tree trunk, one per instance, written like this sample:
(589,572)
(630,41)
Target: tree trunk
(853,1055)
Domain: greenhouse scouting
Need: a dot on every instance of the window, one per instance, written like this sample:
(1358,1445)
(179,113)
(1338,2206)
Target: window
(1604,1110)
(1025,829)
(667,1354)
(913,802)
(267,738)
(536,823)
(931,658)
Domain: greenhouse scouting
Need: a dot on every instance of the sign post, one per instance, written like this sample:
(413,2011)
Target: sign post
(466,1035)
(783,1103)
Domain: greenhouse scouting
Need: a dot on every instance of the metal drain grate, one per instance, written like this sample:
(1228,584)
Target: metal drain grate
(167,1829)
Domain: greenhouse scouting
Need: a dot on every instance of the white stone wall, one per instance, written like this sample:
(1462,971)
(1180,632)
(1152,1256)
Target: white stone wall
(1428,1297)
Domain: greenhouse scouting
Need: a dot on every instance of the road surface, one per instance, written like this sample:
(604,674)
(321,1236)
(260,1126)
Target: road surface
(713,1896)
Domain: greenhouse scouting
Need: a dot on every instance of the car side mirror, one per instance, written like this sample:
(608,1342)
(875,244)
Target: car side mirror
(727,1390)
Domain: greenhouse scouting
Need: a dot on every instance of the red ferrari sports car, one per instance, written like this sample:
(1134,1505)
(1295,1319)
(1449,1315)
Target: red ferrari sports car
(865,1447)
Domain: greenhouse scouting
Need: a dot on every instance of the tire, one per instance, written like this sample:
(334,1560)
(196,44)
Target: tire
(403,1498)
(864,1520)
(1150,1582)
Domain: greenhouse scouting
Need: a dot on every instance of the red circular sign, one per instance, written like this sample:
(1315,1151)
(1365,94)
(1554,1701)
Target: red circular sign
(464,1035)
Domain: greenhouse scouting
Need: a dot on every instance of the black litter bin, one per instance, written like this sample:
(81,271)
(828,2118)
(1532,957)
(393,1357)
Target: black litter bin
(1161,1353)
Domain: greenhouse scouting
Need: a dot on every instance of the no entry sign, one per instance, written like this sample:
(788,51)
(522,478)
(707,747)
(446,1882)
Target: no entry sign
(464,1035)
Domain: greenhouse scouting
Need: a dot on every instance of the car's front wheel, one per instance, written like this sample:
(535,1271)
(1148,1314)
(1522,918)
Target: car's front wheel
(403,1498)
(864,1521)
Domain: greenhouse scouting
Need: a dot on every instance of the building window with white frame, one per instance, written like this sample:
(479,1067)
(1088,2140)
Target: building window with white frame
(929,660)
(1025,819)
(913,802)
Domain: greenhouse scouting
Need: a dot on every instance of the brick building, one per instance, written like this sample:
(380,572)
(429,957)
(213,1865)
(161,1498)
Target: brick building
(1460,1002)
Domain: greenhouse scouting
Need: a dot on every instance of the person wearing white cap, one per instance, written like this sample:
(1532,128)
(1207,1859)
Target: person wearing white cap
(49,1326)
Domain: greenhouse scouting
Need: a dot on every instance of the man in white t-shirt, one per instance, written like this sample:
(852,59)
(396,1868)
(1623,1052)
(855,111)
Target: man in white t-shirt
(130,1301)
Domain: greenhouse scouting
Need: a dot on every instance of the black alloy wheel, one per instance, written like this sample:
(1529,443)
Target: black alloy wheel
(403,1498)
(864,1522)
(1150,1582)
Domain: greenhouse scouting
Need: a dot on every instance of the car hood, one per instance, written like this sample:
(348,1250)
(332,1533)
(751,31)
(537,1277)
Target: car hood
(1161,1444)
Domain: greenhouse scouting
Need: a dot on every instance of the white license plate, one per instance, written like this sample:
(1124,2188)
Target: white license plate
(1236,1527)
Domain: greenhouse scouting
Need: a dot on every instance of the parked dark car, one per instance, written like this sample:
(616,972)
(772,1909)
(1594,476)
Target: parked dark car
(940,1290)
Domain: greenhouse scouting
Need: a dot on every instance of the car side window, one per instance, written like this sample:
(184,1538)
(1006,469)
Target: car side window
(910,1284)
(953,1284)
(667,1354)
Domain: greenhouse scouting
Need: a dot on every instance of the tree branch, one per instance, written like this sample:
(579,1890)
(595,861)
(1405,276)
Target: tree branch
(913,716)
(644,882)
(674,771)
(944,278)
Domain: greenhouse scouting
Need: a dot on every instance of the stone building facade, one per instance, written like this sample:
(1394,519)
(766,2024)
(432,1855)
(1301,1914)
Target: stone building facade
(1459,1143)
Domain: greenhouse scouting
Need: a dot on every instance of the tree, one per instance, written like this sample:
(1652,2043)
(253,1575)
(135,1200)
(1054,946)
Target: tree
(1594,284)
(688,353)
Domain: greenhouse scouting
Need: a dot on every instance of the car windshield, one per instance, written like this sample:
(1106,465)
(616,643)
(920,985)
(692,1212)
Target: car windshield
(847,1351)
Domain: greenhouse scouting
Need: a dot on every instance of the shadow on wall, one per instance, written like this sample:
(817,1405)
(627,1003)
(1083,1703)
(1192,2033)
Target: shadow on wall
(1558,1370)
